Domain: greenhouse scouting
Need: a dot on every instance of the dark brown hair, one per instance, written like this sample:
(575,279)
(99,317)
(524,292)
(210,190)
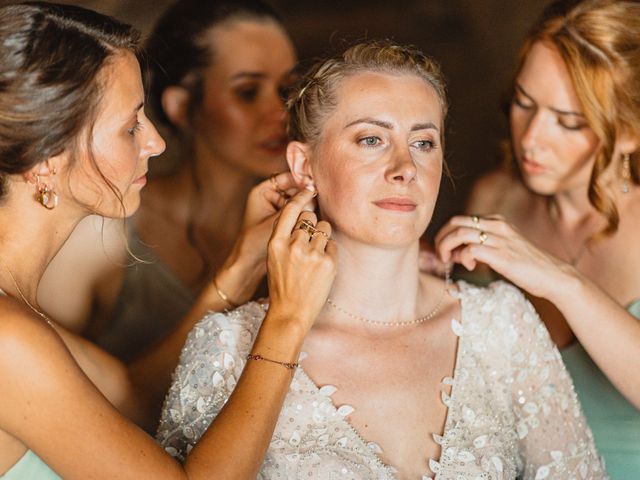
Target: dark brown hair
(50,59)
(177,49)
(599,41)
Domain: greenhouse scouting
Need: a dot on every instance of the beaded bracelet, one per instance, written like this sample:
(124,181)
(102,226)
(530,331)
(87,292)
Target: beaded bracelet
(288,366)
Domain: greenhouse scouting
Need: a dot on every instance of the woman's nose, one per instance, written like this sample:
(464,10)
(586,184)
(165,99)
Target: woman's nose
(155,144)
(403,168)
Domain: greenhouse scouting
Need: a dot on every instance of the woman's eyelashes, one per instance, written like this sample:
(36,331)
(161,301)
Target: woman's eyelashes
(374,141)
(522,102)
(370,141)
(248,93)
(135,128)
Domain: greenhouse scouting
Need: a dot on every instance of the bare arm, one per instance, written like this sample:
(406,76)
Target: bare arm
(597,320)
(47,396)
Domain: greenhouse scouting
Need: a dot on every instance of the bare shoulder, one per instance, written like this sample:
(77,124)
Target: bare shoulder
(25,341)
(500,192)
(496,192)
(95,249)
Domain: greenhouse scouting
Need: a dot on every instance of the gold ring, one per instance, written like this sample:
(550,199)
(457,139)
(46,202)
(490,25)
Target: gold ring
(320,232)
(308,227)
(483,237)
(276,187)
(476,221)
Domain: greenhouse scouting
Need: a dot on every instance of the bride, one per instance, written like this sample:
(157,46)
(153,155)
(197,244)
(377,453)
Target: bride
(402,375)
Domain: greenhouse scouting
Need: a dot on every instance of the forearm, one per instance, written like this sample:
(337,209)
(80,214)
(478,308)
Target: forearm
(236,442)
(605,329)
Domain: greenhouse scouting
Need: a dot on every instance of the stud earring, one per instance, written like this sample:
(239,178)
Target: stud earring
(626,172)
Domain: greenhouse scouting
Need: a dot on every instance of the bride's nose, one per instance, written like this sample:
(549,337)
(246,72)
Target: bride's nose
(402,168)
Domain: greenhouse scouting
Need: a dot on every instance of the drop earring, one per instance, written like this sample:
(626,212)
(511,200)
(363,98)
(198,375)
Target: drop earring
(626,172)
(45,195)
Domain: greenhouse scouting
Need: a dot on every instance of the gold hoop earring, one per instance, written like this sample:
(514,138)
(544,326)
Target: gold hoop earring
(626,172)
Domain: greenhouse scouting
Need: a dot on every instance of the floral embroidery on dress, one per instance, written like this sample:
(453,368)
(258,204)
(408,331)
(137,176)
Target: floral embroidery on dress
(512,411)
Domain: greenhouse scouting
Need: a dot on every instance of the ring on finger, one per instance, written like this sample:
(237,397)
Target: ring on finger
(482,236)
(319,232)
(307,227)
(476,221)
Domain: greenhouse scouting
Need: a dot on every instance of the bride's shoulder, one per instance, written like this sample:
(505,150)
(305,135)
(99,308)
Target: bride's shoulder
(232,326)
(495,306)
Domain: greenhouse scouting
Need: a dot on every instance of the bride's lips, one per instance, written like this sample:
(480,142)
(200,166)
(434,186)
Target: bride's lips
(398,204)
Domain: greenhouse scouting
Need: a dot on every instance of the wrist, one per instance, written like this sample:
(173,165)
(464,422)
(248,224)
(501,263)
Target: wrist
(280,336)
(567,284)
(237,279)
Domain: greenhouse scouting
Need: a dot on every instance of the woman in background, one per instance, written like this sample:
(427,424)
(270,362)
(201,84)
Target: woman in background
(564,227)
(217,74)
(74,141)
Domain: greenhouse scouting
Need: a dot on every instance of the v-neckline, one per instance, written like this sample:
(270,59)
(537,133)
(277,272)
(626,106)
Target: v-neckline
(456,326)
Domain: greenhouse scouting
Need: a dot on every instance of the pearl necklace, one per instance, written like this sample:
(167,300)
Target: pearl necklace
(415,321)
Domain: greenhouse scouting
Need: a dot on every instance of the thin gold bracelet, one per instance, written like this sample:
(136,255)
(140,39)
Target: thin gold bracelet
(222,295)
(287,365)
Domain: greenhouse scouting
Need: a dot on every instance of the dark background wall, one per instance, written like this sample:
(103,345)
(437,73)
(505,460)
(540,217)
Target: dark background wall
(475,41)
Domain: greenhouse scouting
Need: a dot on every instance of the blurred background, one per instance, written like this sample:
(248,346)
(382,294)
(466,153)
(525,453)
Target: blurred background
(475,41)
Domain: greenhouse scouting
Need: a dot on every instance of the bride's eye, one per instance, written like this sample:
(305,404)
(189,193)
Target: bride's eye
(425,145)
(369,141)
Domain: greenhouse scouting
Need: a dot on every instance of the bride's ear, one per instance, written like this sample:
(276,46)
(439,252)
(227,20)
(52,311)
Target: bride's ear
(299,160)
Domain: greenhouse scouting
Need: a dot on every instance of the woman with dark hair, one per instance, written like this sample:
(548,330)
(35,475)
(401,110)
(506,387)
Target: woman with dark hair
(403,376)
(567,229)
(74,140)
(217,71)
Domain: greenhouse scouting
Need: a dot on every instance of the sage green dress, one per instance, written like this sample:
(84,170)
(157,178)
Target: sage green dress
(615,423)
(29,466)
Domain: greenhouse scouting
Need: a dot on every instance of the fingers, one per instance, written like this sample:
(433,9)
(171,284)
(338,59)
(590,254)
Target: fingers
(290,212)
(321,236)
(305,227)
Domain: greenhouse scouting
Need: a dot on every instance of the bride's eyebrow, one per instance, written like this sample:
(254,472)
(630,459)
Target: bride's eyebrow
(370,121)
(389,126)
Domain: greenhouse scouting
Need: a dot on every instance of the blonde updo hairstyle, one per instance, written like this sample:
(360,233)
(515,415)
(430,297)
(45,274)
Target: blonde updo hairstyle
(599,41)
(315,96)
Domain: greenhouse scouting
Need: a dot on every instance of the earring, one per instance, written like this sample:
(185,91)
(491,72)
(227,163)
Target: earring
(626,172)
(45,195)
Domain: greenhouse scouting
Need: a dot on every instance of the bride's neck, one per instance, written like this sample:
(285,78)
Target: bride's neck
(381,284)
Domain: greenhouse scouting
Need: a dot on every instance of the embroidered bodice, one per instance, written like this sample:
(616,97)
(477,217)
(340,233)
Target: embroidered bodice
(512,410)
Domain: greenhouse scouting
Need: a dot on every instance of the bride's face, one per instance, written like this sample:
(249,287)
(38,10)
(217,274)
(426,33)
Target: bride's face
(378,162)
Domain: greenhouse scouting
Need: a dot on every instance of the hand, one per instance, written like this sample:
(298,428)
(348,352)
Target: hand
(493,241)
(428,260)
(301,263)
(246,265)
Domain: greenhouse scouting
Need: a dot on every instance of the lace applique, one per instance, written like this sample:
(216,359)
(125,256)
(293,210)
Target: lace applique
(511,411)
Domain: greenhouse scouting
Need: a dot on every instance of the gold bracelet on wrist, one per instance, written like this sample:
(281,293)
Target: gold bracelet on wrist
(222,295)
(287,365)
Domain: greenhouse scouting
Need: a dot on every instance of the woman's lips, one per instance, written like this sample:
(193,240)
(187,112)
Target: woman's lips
(532,168)
(142,180)
(396,204)
(275,146)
